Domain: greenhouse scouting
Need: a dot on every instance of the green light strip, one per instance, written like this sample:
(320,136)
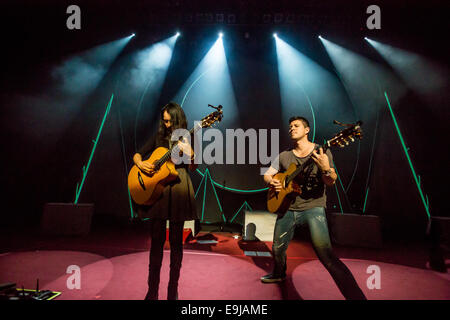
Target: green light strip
(244,204)
(342,186)
(240,190)
(365,200)
(405,149)
(217,198)
(231,189)
(131,204)
(339,198)
(312,111)
(85,169)
(218,201)
(248,208)
(339,177)
(198,189)
(337,190)
(204,196)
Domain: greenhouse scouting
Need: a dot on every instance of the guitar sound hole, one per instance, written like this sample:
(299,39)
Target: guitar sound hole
(141,182)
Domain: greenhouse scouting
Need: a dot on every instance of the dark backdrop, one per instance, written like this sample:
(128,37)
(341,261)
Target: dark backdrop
(47,140)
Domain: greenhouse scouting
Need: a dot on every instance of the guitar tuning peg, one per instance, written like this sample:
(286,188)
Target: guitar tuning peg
(351,138)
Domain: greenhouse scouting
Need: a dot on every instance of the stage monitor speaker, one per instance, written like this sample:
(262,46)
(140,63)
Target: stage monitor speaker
(259,225)
(440,243)
(67,219)
(440,230)
(355,230)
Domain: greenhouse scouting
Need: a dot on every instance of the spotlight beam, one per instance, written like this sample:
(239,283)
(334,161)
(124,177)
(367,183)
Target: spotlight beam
(419,73)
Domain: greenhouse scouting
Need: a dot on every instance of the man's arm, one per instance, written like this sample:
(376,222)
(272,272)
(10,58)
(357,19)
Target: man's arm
(329,176)
(268,178)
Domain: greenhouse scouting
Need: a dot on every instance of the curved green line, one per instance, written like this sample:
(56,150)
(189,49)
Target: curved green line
(339,198)
(254,190)
(314,118)
(192,85)
(312,112)
(231,189)
(198,171)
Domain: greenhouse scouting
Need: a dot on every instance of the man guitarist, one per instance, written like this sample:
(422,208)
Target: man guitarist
(177,203)
(308,208)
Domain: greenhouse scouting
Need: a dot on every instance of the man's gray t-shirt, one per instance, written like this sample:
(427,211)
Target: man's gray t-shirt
(313,188)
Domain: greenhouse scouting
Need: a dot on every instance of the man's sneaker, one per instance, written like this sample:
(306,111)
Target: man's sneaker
(271,278)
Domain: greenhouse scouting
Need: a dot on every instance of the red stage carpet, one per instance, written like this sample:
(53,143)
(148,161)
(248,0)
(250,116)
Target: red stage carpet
(210,276)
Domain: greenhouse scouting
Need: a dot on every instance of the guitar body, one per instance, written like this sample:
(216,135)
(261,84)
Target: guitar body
(146,189)
(279,202)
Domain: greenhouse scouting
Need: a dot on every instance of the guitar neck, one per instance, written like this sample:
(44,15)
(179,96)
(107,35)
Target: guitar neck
(167,155)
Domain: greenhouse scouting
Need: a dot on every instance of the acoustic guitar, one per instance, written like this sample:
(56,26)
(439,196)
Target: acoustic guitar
(145,188)
(293,179)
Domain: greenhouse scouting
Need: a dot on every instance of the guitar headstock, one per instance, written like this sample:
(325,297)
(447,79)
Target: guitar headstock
(346,136)
(212,118)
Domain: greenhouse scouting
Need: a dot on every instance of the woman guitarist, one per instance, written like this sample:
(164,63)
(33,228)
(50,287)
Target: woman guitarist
(308,208)
(176,204)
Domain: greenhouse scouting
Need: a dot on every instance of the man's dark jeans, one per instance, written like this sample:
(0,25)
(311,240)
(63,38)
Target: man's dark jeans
(316,220)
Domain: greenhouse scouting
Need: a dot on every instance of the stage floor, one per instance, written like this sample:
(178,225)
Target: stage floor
(113,265)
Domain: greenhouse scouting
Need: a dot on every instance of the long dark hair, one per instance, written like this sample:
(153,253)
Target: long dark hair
(178,120)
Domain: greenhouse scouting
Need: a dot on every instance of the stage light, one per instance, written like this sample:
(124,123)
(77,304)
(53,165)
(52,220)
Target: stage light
(302,85)
(362,78)
(209,83)
(132,35)
(220,34)
(275,35)
(150,66)
(177,34)
(418,72)
(365,38)
(81,73)
(320,37)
